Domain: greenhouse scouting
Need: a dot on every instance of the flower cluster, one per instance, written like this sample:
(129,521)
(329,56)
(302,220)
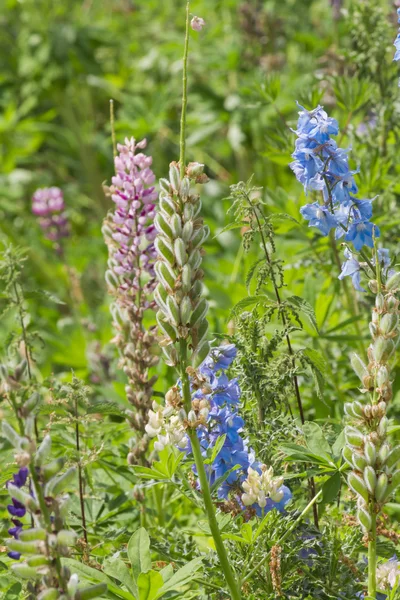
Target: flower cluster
(132,251)
(320,165)
(223,396)
(397,42)
(48,204)
(17,510)
(388,574)
(129,233)
(214,413)
(375,474)
(259,487)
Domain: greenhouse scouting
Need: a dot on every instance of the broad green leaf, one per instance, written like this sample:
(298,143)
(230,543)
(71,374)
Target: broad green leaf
(149,584)
(330,488)
(115,567)
(182,577)
(139,552)
(96,576)
(315,439)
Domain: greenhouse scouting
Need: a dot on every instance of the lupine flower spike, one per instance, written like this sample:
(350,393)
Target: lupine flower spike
(48,204)
(129,233)
(39,490)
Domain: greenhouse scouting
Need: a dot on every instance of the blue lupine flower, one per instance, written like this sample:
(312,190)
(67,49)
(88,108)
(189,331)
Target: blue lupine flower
(224,419)
(319,216)
(16,509)
(351,268)
(362,232)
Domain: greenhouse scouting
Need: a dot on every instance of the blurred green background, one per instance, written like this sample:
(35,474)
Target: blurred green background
(61,62)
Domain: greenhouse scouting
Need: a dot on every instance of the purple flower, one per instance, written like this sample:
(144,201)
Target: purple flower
(48,205)
(132,251)
(16,509)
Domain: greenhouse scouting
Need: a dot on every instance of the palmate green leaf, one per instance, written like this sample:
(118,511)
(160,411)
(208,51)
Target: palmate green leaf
(139,552)
(149,585)
(316,440)
(95,576)
(330,488)
(182,577)
(304,307)
(116,568)
(163,469)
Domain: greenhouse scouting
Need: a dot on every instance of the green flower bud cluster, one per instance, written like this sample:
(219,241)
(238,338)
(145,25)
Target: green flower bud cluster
(47,540)
(181,234)
(375,473)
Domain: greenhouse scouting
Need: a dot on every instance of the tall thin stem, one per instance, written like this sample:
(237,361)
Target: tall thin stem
(182,141)
(204,485)
(80,475)
(112,123)
(311,482)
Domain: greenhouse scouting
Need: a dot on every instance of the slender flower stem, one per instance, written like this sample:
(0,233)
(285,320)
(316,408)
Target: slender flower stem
(372,555)
(311,481)
(182,142)
(205,488)
(112,123)
(80,475)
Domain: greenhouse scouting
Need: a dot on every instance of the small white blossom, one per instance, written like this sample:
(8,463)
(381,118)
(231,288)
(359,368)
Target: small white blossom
(388,574)
(259,487)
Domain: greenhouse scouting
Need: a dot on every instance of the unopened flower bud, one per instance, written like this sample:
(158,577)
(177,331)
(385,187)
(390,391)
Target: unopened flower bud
(393,282)
(197,24)
(373,286)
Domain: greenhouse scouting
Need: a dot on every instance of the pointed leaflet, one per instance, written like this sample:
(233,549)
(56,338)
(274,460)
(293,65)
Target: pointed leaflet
(181,577)
(149,584)
(139,552)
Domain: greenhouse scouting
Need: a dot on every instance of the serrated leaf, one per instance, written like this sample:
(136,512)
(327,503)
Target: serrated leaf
(318,367)
(230,226)
(306,308)
(251,272)
(246,302)
(283,217)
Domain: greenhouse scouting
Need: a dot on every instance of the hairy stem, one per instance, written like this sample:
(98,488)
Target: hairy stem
(204,485)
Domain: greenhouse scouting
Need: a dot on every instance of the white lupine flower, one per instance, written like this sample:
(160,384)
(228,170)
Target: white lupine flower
(259,487)
(388,574)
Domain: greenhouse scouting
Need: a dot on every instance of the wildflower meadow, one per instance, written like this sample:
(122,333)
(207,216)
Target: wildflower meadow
(200,299)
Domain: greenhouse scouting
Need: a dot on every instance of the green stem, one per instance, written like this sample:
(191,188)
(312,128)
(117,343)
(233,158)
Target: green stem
(372,557)
(112,123)
(205,488)
(182,141)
